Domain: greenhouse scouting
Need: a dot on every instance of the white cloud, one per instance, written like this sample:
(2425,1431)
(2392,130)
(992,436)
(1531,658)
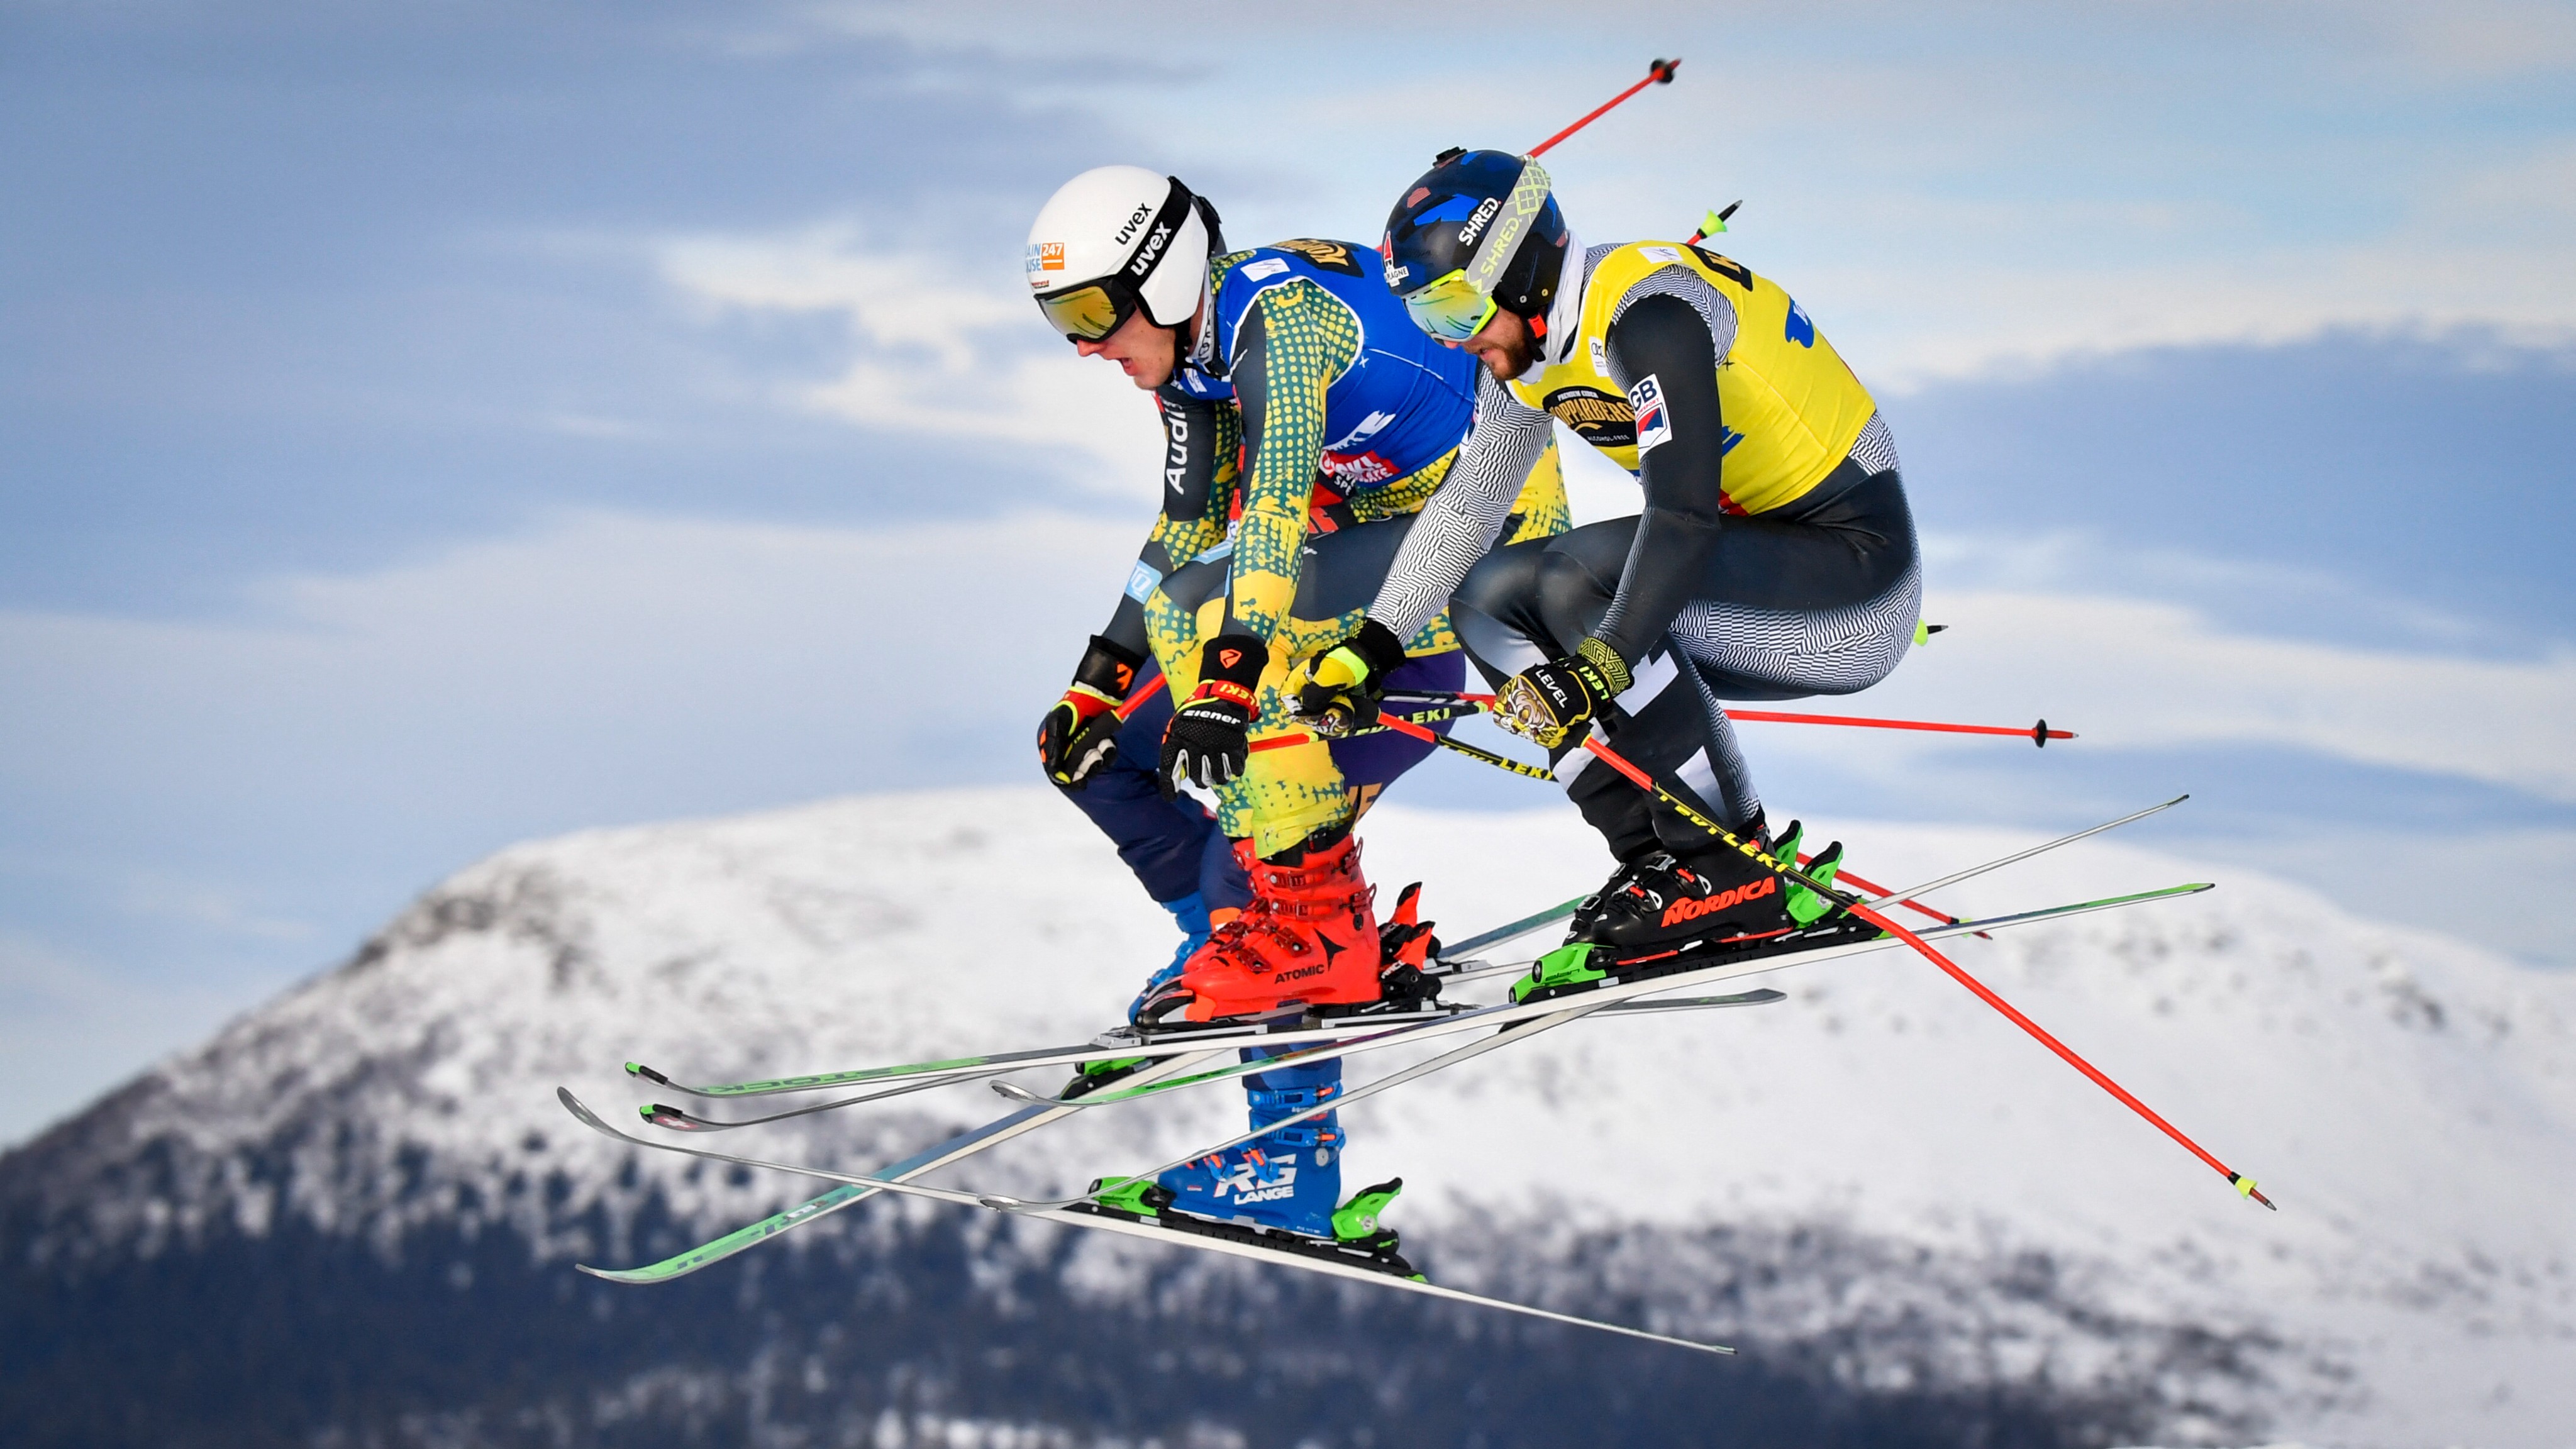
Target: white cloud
(932,352)
(603,663)
(349,738)
(1953,188)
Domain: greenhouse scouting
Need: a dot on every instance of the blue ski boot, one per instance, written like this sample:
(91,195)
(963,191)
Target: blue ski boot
(1288,1180)
(1190,913)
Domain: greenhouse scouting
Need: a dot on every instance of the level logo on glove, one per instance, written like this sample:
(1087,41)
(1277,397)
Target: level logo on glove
(1209,740)
(1554,702)
(1337,692)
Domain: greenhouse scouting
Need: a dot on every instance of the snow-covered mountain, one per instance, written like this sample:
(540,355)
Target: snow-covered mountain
(1879,1185)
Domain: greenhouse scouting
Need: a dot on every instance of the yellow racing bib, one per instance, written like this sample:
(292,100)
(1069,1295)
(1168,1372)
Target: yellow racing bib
(1791,405)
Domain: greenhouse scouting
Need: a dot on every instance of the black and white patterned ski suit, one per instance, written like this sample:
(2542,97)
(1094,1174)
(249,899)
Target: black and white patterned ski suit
(1817,594)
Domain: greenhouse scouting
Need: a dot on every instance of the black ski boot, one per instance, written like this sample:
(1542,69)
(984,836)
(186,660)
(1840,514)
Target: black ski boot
(1718,896)
(1587,912)
(1666,903)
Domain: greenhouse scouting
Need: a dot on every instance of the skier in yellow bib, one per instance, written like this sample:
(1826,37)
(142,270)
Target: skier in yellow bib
(1775,556)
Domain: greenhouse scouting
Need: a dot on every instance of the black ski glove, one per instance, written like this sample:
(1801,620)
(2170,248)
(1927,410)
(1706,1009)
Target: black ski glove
(1338,690)
(1209,739)
(1080,733)
(1555,702)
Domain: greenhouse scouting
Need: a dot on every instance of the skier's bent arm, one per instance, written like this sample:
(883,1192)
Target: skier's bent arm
(1665,338)
(1078,735)
(1296,341)
(1199,440)
(1466,515)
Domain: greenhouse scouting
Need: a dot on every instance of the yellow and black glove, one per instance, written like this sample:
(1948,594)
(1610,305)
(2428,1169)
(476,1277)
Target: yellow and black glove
(1338,690)
(1209,740)
(1556,702)
(1080,733)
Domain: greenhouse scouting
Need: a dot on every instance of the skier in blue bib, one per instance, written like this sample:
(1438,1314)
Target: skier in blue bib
(1306,422)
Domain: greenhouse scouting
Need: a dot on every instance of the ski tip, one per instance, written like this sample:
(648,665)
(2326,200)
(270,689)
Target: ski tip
(1014,1092)
(581,1112)
(638,1069)
(1000,1203)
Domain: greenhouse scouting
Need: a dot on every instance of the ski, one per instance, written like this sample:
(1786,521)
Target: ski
(1352,1267)
(1619,982)
(1452,965)
(1040,1112)
(1453,957)
(1122,1041)
(1555,1013)
(853,1189)
(1509,1036)
(663,1114)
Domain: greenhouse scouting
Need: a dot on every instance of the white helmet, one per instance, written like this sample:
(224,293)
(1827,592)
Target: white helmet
(1117,238)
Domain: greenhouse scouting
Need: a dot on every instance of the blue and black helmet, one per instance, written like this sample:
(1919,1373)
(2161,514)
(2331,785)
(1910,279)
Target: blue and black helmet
(1480,229)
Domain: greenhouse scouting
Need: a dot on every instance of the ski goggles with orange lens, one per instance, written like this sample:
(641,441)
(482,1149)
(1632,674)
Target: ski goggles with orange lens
(1450,309)
(1090,313)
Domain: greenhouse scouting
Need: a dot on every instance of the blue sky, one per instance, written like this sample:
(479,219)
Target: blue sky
(429,426)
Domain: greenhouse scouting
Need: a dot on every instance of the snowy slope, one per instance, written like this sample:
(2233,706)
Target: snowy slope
(1879,1162)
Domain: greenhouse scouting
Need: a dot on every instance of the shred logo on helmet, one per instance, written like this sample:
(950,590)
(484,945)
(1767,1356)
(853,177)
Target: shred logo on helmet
(1479,230)
(1476,223)
(1117,240)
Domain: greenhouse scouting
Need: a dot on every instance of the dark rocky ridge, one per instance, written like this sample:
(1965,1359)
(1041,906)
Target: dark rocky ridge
(467,1338)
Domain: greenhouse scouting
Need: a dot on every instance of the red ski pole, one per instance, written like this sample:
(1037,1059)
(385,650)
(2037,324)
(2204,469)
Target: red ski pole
(2039,734)
(1405,726)
(1136,701)
(1660,72)
(2244,1185)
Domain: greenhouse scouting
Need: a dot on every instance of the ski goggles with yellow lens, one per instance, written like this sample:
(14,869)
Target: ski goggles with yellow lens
(1090,313)
(1450,309)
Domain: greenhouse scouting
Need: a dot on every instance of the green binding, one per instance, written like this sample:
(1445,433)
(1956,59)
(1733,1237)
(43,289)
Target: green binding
(1569,965)
(1356,1221)
(1138,1195)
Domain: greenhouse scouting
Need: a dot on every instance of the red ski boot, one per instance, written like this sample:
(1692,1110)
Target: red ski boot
(1309,938)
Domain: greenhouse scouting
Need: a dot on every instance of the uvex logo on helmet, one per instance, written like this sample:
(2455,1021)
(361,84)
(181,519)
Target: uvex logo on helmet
(1128,229)
(1150,251)
(1691,910)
